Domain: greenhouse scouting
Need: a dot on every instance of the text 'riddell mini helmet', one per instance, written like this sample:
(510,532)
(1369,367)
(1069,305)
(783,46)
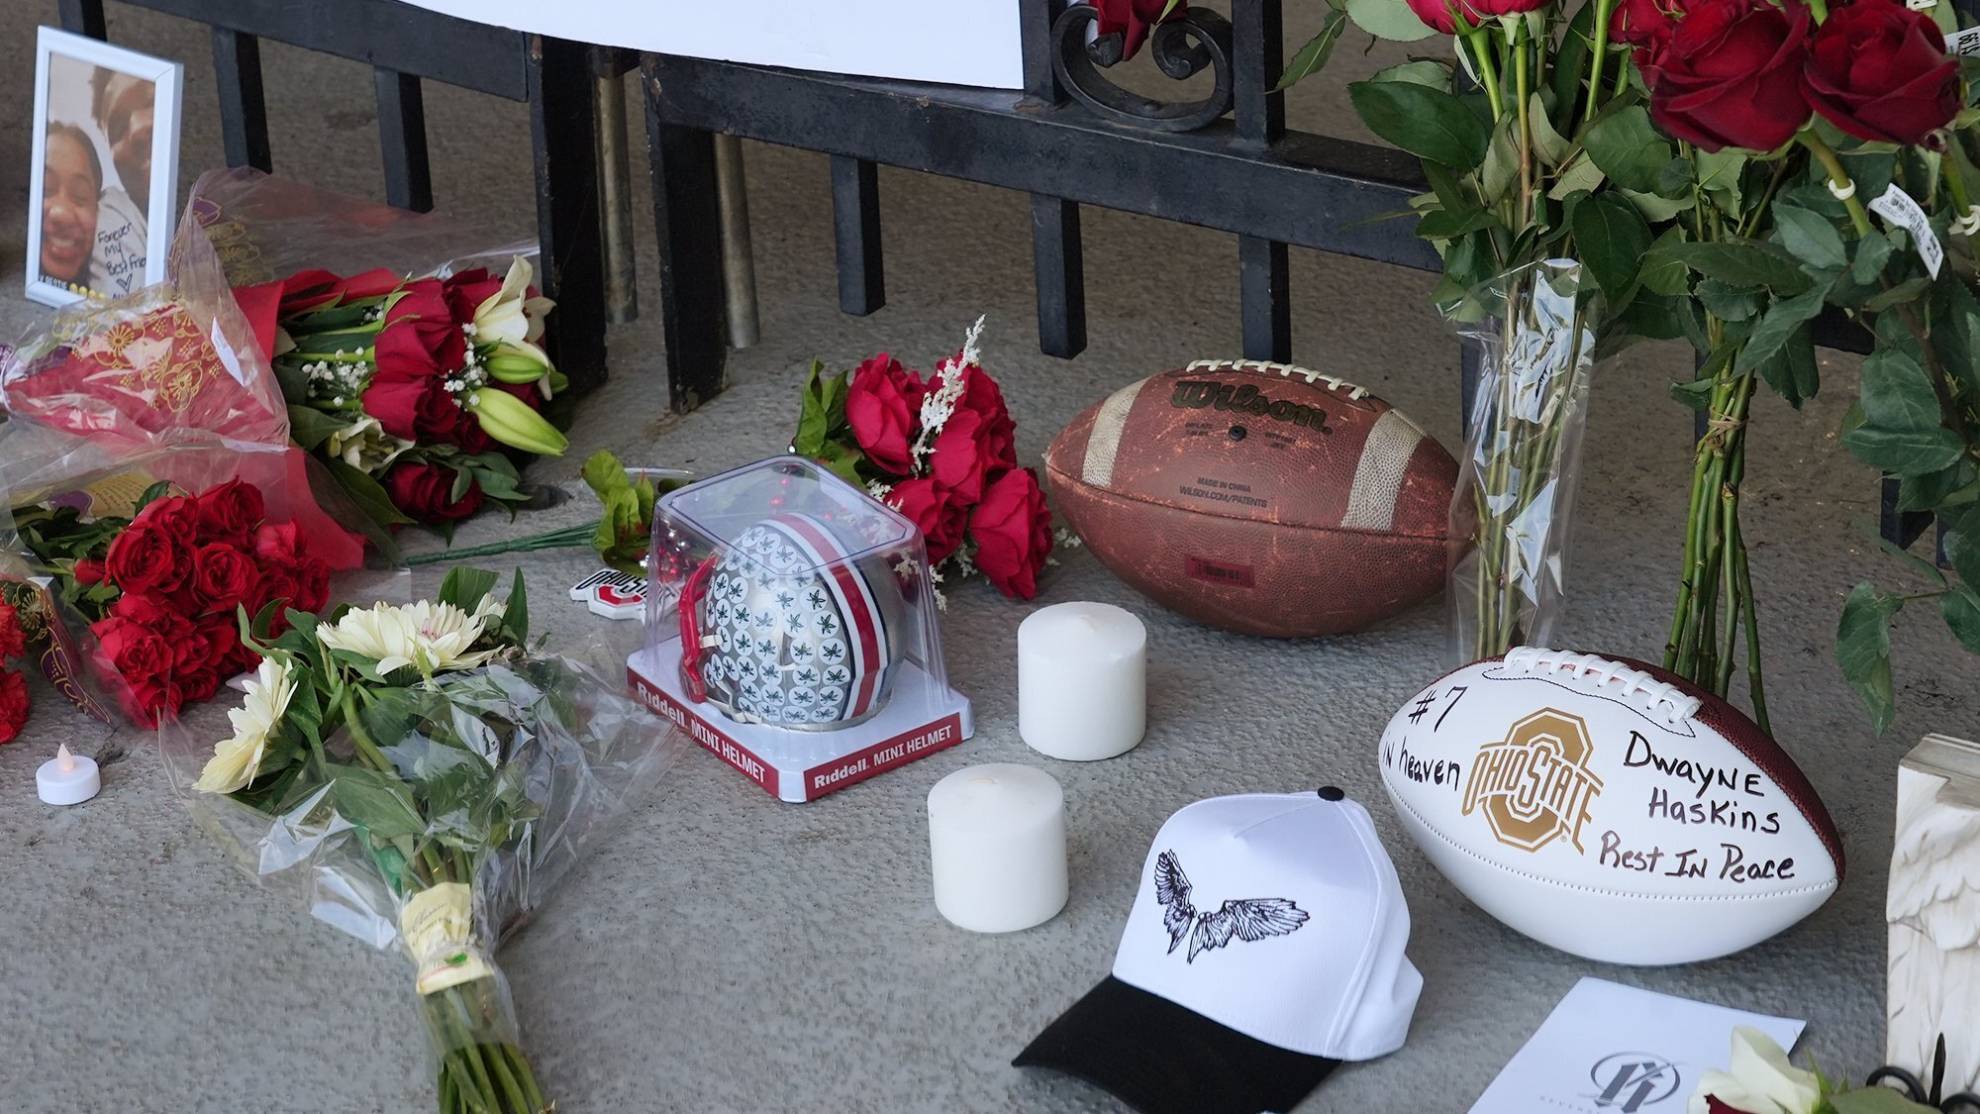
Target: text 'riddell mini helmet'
(783,628)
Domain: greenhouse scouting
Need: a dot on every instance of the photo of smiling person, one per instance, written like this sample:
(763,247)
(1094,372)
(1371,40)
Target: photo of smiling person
(71,183)
(104,169)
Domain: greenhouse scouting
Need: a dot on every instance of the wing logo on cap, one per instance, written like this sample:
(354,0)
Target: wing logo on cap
(1247,919)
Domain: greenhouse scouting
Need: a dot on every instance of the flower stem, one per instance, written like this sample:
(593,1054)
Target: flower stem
(1838,176)
(1525,123)
(568,538)
(1487,73)
(1598,51)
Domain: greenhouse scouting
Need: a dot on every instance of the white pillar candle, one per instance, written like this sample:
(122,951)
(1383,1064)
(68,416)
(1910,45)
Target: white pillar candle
(1082,680)
(997,842)
(67,779)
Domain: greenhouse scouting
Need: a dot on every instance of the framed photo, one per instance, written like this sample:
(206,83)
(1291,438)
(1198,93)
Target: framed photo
(103,180)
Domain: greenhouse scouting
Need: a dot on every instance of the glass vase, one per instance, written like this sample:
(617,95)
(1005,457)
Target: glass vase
(1531,334)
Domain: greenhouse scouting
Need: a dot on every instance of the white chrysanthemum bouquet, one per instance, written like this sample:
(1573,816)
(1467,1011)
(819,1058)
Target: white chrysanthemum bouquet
(427,779)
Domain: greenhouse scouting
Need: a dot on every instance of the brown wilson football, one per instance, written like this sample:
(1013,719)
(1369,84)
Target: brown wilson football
(1258,497)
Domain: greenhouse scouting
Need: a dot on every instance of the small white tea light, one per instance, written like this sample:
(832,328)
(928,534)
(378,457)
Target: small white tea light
(997,842)
(67,779)
(1082,681)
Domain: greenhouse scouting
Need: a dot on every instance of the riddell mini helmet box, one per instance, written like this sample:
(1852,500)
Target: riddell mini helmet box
(791,629)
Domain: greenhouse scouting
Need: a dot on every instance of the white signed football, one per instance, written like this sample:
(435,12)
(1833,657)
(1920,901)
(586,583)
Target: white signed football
(1608,808)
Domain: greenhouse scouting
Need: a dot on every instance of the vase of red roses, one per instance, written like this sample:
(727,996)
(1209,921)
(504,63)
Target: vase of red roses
(941,450)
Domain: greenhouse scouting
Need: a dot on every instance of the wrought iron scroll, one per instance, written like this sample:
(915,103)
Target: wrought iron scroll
(1914,1088)
(1182,47)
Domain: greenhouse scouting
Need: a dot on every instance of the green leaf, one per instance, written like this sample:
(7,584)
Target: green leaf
(1728,303)
(1580,173)
(1612,239)
(515,610)
(1743,264)
(1778,325)
(310,427)
(367,493)
(1501,167)
(1963,546)
(1810,237)
(1445,225)
(1313,56)
(1422,71)
(1719,173)
(1896,392)
(1547,143)
(151,494)
(1428,123)
(815,417)
(1918,564)
(843,461)
(1863,650)
(379,803)
(1961,608)
(1655,208)
(1571,63)
(1660,272)
(1903,292)
(465,587)
(1388,19)
(1926,492)
(1872,252)
(1628,148)
(1696,394)
(1904,452)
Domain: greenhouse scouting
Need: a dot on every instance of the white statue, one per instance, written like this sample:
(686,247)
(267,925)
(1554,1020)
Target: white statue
(1934,913)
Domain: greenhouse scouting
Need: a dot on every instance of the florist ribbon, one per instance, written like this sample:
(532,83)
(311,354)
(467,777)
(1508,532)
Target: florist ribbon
(438,928)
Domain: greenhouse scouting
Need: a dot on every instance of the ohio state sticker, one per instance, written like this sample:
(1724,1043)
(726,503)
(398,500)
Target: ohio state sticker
(611,594)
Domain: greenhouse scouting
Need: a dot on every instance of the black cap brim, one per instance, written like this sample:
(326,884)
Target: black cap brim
(1162,1058)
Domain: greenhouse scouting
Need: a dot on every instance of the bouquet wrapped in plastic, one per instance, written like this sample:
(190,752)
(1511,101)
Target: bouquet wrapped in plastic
(148,490)
(410,359)
(426,780)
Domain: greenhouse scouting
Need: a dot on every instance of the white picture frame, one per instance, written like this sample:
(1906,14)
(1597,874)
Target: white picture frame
(90,104)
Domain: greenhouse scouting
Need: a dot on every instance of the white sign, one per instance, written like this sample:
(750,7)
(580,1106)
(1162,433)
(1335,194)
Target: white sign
(957,42)
(1897,207)
(1614,1049)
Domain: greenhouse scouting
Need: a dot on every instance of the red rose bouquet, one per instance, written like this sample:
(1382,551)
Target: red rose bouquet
(1606,171)
(13,685)
(408,351)
(148,491)
(941,451)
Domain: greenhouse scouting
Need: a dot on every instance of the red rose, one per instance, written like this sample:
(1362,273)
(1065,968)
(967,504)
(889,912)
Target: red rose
(144,609)
(425,492)
(153,700)
(288,571)
(221,635)
(200,683)
(13,640)
(177,515)
(399,355)
(1013,533)
(224,576)
(1730,76)
(88,571)
(280,543)
(395,403)
(1132,20)
(13,704)
(134,650)
(1646,24)
(422,314)
(883,406)
(1436,14)
(1879,71)
(1714,1106)
(983,397)
(468,289)
(143,558)
(229,512)
(934,509)
(963,459)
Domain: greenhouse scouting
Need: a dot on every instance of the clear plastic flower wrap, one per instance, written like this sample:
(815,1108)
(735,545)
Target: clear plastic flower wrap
(159,412)
(424,782)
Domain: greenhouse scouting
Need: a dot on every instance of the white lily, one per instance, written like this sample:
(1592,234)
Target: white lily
(1759,1079)
(236,760)
(510,322)
(430,637)
(365,445)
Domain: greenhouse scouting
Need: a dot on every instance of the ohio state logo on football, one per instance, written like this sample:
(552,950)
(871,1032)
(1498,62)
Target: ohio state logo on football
(1535,785)
(1196,394)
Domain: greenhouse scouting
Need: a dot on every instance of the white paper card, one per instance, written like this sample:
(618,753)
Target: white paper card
(1614,1049)
(1897,207)
(1963,43)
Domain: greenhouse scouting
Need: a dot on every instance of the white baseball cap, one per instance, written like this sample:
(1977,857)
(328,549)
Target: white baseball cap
(1265,946)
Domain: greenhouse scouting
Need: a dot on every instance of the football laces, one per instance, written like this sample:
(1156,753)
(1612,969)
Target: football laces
(1659,698)
(1284,371)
